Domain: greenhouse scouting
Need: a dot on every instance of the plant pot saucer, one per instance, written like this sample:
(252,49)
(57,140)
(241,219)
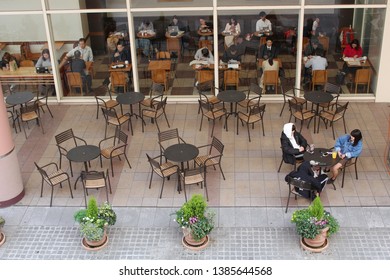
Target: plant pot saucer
(94,248)
(314,249)
(196,247)
(2,238)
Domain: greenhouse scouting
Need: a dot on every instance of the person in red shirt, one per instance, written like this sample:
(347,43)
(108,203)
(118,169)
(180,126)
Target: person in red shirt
(353,49)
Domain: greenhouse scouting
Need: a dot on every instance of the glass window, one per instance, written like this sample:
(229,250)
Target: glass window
(170,3)
(21,5)
(333,35)
(20,49)
(344,2)
(102,32)
(85,4)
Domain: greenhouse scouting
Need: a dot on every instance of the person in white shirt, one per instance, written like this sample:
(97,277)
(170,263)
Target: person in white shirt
(316,62)
(233,28)
(263,23)
(205,55)
(86,51)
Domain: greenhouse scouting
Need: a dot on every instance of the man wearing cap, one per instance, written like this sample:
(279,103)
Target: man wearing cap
(310,172)
(263,23)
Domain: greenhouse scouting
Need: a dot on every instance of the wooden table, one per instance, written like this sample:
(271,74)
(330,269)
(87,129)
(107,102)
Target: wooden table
(114,67)
(262,33)
(207,32)
(146,35)
(83,153)
(159,64)
(358,63)
(25,76)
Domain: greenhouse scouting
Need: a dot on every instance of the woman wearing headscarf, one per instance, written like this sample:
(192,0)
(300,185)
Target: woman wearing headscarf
(293,143)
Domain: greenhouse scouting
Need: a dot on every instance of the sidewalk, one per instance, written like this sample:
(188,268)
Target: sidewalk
(241,233)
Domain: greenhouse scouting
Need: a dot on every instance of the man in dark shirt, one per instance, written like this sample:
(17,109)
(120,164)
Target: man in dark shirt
(121,54)
(231,53)
(78,65)
(268,50)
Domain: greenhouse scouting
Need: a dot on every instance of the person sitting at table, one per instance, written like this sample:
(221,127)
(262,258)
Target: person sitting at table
(44,61)
(263,23)
(205,55)
(353,50)
(311,48)
(268,50)
(231,53)
(233,28)
(293,144)
(78,65)
(6,59)
(185,39)
(205,26)
(347,146)
(143,43)
(121,53)
(316,62)
(85,51)
(310,172)
(267,65)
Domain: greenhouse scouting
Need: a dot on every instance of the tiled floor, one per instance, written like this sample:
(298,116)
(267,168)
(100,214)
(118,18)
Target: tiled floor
(250,168)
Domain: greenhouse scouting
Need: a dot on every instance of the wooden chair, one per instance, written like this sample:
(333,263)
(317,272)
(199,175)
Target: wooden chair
(324,41)
(231,78)
(55,177)
(161,55)
(74,81)
(205,76)
(14,117)
(65,141)
(164,170)
(42,102)
(156,94)
(211,113)
(333,116)
(271,78)
(294,164)
(28,113)
(251,100)
(104,103)
(301,114)
(95,180)
(155,113)
(213,155)
(362,77)
(26,63)
(256,114)
(168,138)
(335,91)
(297,183)
(174,45)
(118,80)
(113,118)
(319,77)
(207,87)
(289,93)
(350,162)
(26,53)
(193,176)
(159,76)
(112,147)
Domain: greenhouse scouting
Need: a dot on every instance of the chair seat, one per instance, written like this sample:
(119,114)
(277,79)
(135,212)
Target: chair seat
(168,169)
(111,103)
(106,152)
(55,178)
(330,115)
(95,183)
(147,102)
(152,114)
(118,121)
(200,160)
(299,100)
(216,114)
(29,116)
(307,114)
(247,103)
(193,179)
(252,118)
(213,99)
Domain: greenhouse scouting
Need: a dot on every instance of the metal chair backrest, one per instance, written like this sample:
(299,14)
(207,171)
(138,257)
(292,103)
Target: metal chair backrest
(119,134)
(332,88)
(161,105)
(168,135)
(255,88)
(205,106)
(295,106)
(64,136)
(154,163)
(217,145)
(109,113)
(205,86)
(156,89)
(299,183)
(31,107)
(43,173)
(257,110)
(92,176)
(341,109)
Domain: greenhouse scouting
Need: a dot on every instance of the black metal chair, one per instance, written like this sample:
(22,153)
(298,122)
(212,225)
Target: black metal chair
(95,180)
(297,183)
(351,162)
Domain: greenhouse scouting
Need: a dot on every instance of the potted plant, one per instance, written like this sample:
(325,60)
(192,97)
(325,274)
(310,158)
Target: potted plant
(93,224)
(197,221)
(2,235)
(314,224)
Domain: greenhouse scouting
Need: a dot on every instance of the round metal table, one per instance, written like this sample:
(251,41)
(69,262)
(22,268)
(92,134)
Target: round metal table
(318,97)
(83,153)
(19,98)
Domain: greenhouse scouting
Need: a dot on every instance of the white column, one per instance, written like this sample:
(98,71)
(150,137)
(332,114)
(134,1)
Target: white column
(11,184)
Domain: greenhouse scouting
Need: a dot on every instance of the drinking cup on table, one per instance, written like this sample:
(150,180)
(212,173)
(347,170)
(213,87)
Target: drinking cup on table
(334,154)
(126,62)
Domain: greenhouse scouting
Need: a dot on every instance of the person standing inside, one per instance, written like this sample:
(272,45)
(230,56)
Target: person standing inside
(347,146)
(85,51)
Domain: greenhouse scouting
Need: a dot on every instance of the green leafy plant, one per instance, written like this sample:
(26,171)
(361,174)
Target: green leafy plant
(2,222)
(311,220)
(195,216)
(94,219)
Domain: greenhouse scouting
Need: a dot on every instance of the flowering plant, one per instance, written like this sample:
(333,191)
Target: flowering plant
(195,216)
(2,222)
(95,219)
(310,221)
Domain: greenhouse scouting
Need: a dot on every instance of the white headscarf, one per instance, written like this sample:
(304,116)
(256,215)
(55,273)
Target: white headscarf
(287,130)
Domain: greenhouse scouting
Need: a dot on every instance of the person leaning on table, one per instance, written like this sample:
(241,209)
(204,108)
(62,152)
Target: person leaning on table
(347,146)
(205,55)
(293,143)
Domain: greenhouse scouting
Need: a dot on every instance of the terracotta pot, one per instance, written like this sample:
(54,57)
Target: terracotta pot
(95,245)
(317,244)
(190,242)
